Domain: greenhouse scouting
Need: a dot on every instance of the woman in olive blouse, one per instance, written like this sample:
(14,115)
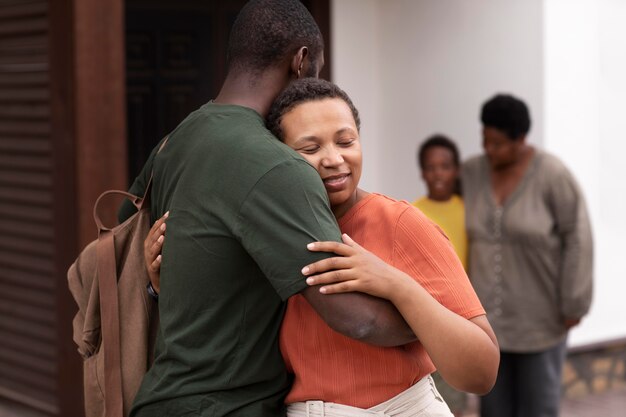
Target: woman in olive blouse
(530,258)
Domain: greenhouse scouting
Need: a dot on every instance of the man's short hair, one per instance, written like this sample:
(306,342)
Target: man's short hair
(506,113)
(301,91)
(266,31)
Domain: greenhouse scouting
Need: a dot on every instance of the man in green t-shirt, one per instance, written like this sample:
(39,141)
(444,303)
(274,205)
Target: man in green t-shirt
(243,208)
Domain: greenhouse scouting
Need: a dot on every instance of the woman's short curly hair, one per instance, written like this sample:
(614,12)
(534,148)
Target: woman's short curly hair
(303,91)
(508,114)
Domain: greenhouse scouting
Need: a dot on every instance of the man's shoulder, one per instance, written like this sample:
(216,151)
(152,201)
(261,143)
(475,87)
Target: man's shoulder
(230,135)
(221,122)
(242,130)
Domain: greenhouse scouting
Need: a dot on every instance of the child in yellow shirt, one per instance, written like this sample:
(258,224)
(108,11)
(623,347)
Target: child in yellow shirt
(438,159)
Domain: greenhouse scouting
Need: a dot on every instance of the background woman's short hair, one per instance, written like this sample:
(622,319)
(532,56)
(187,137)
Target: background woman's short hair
(506,113)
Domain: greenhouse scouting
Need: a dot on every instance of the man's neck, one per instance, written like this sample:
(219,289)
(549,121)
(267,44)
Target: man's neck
(256,92)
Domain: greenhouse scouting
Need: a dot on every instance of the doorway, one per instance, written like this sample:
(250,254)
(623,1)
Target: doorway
(176,61)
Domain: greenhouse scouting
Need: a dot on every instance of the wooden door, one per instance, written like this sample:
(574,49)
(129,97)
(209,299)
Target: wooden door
(176,61)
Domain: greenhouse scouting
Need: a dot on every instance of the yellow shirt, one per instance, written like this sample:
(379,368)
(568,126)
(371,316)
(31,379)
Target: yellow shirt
(450,216)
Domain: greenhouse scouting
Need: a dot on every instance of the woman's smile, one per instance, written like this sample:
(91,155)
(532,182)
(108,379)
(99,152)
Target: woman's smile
(334,183)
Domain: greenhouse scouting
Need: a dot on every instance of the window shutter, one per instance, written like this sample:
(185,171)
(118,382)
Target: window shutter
(28,345)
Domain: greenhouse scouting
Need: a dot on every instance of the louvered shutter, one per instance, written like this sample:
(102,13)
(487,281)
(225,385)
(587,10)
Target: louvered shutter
(28,352)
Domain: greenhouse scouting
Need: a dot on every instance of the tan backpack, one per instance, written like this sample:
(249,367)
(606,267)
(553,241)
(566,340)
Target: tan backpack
(116,323)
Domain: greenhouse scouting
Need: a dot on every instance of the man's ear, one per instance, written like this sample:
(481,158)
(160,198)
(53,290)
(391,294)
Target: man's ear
(297,62)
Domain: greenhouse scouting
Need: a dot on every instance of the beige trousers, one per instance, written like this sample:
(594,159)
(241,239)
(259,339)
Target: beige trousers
(421,400)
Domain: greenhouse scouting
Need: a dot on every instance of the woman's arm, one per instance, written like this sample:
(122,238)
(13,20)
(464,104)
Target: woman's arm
(571,220)
(464,351)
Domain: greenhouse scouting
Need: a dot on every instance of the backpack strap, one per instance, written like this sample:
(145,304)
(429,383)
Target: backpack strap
(109,303)
(137,201)
(110,309)
(110,322)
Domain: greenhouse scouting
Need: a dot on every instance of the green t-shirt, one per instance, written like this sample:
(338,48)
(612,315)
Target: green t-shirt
(243,207)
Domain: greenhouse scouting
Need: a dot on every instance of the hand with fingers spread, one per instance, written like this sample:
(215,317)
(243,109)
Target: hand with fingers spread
(354,270)
(152,247)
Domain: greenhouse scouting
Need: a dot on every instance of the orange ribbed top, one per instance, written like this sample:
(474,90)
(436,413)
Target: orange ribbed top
(331,367)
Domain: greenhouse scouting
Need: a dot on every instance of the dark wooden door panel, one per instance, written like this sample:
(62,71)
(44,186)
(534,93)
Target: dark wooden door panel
(166,63)
(173,59)
(176,61)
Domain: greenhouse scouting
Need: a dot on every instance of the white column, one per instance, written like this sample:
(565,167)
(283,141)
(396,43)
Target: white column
(585,125)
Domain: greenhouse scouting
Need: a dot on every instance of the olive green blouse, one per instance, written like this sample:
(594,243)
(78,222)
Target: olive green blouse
(530,259)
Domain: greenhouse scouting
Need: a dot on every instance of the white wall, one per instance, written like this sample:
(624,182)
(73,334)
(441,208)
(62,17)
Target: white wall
(434,63)
(416,67)
(585,67)
(356,48)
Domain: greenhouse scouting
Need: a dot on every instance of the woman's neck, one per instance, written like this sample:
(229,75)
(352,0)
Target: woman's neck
(340,210)
(524,155)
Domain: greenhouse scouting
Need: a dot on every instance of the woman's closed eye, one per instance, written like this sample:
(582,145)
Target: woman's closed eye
(346,142)
(308,149)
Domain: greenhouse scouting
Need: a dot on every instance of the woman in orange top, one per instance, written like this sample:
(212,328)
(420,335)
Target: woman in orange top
(401,256)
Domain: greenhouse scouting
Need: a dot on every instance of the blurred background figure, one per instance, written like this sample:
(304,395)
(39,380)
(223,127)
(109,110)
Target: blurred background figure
(530,258)
(439,162)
